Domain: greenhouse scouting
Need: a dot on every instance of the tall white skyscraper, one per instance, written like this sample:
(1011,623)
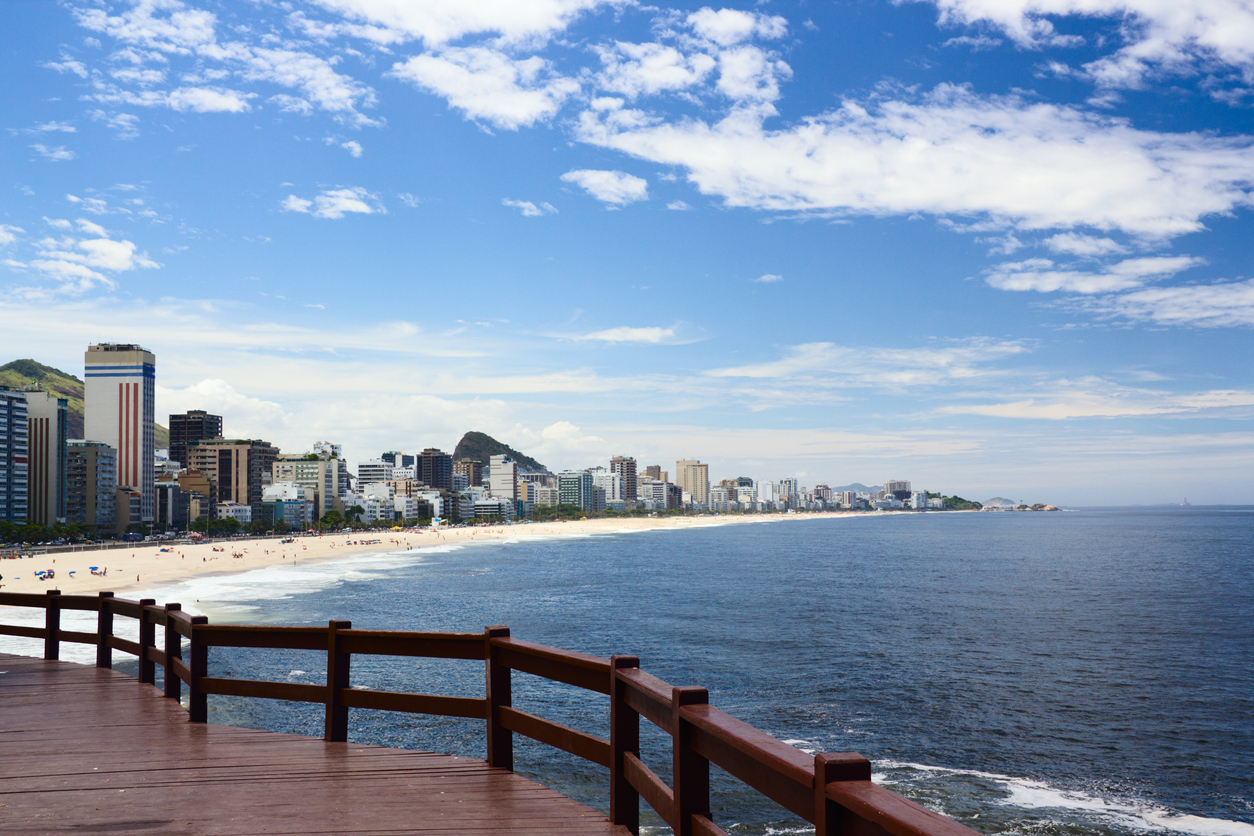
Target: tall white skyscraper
(119,410)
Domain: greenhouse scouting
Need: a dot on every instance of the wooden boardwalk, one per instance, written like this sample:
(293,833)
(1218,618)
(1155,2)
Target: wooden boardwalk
(87,750)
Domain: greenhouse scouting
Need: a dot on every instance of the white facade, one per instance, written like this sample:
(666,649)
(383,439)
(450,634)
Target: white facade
(503,478)
(119,403)
(375,470)
(235,511)
(611,483)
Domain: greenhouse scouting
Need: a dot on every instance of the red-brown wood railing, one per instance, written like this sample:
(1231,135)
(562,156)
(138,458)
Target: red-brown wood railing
(832,791)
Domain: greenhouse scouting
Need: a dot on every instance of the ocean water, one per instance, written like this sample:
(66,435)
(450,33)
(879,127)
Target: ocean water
(1087,672)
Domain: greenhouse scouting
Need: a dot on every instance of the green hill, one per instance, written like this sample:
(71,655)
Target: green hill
(21,374)
(481,447)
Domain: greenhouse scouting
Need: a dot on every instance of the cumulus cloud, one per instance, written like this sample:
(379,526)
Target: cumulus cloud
(678,206)
(726,27)
(616,188)
(1043,276)
(1076,243)
(123,125)
(8,234)
(76,264)
(490,86)
(1225,304)
(1003,159)
(336,203)
(1158,36)
(248,416)
(650,68)
(529,209)
(57,154)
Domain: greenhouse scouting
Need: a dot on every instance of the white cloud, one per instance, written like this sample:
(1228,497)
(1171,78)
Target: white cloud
(291,104)
(51,127)
(58,154)
(1075,243)
(409,200)
(1041,274)
(68,65)
(726,27)
(529,209)
(353,147)
(1223,305)
(124,125)
(749,74)
(976,43)
(650,68)
(768,278)
(438,22)
(8,234)
(315,77)
(625,334)
(336,203)
(243,415)
(179,31)
(614,187)
(678,206)
(1013,162)
(489,85)
(181,99)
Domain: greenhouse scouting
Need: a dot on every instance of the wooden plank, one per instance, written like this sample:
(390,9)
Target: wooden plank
(76,637)
(897,815)
(648,696)
(559,737)
(82,750)
(123,645)
(475,708)
(181,670)
(701,826)
(429,645)
(651,788)
(84,603)
(578,669)
(292,691)
(22,599)
(25,632)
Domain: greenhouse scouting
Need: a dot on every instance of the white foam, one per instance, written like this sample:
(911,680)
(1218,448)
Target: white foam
(1027,794)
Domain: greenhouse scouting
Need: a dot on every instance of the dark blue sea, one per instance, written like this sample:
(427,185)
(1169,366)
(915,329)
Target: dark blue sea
(1079,672)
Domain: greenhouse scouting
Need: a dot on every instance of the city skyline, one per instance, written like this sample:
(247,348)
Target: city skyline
(1005,253)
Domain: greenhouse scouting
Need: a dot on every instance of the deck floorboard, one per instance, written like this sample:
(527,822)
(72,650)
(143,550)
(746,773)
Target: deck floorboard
(84,750)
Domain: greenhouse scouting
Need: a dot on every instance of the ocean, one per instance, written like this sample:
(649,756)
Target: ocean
(1079,672)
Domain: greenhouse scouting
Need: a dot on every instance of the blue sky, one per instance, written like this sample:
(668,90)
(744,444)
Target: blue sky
(998,248)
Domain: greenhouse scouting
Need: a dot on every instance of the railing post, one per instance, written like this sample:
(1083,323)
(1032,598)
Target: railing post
(147,639)
(198,667)
(624,737)
(104,631)
(173,650)
(691,770)
(337,679)
(500,739)
(829,817)
(52,623)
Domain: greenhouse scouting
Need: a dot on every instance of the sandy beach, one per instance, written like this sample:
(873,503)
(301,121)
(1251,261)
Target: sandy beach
(156,564)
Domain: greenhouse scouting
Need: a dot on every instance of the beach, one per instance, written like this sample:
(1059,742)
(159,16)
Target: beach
(155,564)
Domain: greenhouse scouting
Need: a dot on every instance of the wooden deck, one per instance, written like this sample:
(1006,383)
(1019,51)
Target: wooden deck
(87,750)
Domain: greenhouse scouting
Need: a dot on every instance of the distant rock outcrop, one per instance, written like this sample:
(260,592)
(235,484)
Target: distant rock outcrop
(481,447)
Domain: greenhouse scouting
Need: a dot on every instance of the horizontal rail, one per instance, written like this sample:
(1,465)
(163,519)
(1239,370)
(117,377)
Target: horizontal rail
(83,603)
(130,609)
(781,772)
(648,696)
(274,638)
(123,645)
(651,788)
(23,599)
(429,645)
(559,737)
(24,632)
(181,670)
(470,707)
(290,691)
(76,637)
(579,669)
(182,623)
(701,826)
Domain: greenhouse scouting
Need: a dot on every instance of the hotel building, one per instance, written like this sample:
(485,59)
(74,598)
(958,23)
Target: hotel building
(119,411)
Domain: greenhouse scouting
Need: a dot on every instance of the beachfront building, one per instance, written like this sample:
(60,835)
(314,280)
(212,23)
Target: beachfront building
(469,469)
(693,478)
(240,468)
(237,511)
(625,468)
(720,499)
(436,469)
(494,507)
(610,483)
(543,494)
(191,426)
(47,415)
(398,459)
(14,456)
(91,481)
(900,488)
(118,408)
(328,477)
(375,470)
(128,509)
(574,487)
(503,478)
(172,503)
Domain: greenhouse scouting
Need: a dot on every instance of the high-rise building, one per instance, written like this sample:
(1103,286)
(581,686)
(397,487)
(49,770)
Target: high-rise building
(574,487)
(399,459)
(899,488)
(193,425)
(119,403)
(625,467)
(503,478)
(472,469)
(91,480)
(375,470)
(437,469)
(47,416)
(611,482)
(239,468)
(327,477)
(694,480)
(14,457)
(654,471)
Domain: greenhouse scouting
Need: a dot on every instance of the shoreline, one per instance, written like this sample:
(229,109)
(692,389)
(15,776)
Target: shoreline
(146,565)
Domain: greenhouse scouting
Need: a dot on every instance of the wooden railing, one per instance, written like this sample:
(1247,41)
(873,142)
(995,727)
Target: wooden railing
(832,791)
